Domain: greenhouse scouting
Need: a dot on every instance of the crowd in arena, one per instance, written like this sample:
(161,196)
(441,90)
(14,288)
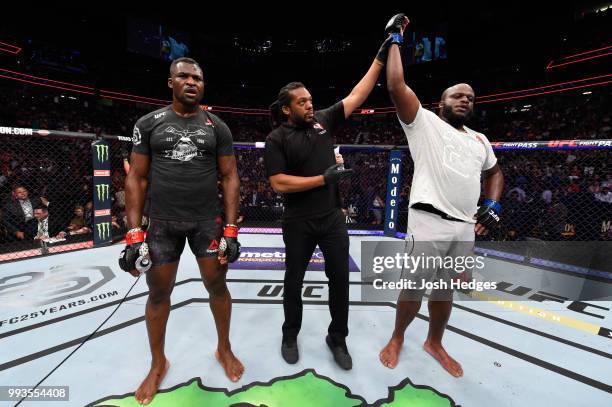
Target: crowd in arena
(549,195)
(549,117)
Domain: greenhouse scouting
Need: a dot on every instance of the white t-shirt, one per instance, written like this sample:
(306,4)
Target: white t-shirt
(447,164)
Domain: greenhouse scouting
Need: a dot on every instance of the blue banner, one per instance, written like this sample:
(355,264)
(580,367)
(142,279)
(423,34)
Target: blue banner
(394,183)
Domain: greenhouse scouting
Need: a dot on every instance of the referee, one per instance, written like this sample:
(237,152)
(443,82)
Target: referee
(300,164)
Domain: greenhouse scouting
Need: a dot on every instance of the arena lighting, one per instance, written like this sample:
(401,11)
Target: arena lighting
(45,79)
(102,91)
(47,85)
(599,52)
(254,111)
(547,92)
(546,86)
(9,48)
(8,51)
(245,113)
(479,99)
(161,102)
(134,101)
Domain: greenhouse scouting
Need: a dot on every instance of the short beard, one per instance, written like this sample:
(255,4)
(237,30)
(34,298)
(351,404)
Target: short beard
(299,121)
(453,119)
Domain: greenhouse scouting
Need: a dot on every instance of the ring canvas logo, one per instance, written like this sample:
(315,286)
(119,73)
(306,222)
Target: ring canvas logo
(59,283)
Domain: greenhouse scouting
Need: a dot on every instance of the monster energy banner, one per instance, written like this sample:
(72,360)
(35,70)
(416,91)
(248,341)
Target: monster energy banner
(101,193)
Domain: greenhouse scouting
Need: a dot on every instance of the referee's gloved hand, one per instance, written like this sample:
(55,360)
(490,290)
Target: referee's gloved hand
(229,247)
(487,216)
(335,173)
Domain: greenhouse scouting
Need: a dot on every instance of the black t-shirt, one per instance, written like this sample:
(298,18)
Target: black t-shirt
(306,152)
(183,172)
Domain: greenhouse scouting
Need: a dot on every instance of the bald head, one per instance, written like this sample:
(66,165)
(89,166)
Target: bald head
(460,87)
(457,104)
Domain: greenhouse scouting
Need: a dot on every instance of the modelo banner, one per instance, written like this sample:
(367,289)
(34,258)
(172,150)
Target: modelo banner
(394,183)
(102,229)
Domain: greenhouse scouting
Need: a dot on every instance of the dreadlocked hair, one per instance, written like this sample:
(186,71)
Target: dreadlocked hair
(277,117)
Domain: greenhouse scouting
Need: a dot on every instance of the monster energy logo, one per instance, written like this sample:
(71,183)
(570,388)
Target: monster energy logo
(102,152)
(103,230)
(103,190)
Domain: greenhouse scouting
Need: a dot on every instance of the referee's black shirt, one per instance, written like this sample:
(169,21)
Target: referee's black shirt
(306,152)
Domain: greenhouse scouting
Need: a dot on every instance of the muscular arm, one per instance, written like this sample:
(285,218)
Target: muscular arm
(361,91)
(404,99)
(493,183)
(230,182)
(284,183)
(136,183)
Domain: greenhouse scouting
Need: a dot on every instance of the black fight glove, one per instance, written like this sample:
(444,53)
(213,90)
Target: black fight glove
(335,173)
(488,214)
(393,34)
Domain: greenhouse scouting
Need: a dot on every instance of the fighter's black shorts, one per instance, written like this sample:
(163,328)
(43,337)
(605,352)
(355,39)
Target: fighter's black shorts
(166,239)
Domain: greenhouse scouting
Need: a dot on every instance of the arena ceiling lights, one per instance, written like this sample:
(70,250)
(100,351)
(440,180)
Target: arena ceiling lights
(589,82)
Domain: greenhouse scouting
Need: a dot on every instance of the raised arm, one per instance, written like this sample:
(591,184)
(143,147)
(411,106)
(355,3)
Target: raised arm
(362,90)
(404,99)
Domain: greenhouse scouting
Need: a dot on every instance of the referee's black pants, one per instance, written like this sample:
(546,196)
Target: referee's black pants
(301,237)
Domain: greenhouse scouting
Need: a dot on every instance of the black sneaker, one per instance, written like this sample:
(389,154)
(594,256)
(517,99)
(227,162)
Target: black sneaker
(289,350)
(340,352)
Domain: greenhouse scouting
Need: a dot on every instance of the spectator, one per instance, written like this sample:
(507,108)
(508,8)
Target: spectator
(520,193)
(377,208)
(547,196)
(556,218)
(20,211)
(45,226)
(605,195)
(78,225)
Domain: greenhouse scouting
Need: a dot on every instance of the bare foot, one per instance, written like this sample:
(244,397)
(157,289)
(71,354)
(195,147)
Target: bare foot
(389,356)
(230,363)
(149,386)
(437,351)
